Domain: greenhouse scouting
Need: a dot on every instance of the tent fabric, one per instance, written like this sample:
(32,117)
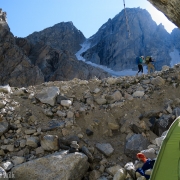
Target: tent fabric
(167,165)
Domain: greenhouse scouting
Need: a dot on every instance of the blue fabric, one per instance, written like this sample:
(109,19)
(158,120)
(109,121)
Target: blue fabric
(140,60)
(147,165)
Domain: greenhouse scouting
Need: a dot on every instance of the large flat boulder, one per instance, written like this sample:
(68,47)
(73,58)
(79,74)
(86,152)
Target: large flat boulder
(135,144)
(48,95)
(57,166)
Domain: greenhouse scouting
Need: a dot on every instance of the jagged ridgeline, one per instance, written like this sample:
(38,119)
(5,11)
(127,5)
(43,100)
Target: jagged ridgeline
(111,45)
(44,56)
(51,54)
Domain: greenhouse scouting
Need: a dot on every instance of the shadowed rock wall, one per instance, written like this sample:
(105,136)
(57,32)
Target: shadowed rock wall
(170,8)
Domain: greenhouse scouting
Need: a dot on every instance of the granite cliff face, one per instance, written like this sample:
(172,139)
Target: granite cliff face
(111,45)
(53,49)
(48,56)
(15,67)
(175,35)
(62,36)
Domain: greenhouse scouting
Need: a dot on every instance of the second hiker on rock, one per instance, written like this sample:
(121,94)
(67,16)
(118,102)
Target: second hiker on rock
(150,66)
(140,62)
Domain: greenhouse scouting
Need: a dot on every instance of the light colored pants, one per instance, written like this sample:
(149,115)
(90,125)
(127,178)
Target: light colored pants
(150,66)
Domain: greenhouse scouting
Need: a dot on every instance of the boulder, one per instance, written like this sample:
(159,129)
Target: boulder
(54,166)
(176,112)
(165,68)
(86,151)
(157,81)
(105,148)
(32,141)
(162,124)
(135,144)
(113,169)
(120,174)
(116,96)
(66,103)
(95,174)
(100,101)
(49,142)
(2,104)
(48,95)
(7,165)
(17,160)
(3,174)
(5,89)
(138,94)
(149,153)
(4,125)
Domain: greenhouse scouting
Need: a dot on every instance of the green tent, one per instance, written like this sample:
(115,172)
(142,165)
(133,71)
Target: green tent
(167,165)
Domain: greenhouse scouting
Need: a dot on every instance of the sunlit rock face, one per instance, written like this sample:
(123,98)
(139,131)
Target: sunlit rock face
(170,8)
(64,36)
(39,58)
(57,64)
(112,46)
(175,35)
(52,51)
(16,68)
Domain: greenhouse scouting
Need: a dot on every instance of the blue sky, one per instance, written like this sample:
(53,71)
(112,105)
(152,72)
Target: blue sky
(26,16)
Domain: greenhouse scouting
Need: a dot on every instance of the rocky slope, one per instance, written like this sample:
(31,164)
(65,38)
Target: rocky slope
(105,122)
(52,50)
(58,65)
(111,45)
(31,61)
(175,35)
(15,68)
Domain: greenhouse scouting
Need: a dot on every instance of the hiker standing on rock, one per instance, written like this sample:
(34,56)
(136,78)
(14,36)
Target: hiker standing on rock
(140,62)
(150,66)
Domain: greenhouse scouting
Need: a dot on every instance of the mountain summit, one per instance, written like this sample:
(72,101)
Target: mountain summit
(111,46)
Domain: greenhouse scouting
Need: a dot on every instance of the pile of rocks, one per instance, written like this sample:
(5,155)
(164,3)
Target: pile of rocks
(85,129)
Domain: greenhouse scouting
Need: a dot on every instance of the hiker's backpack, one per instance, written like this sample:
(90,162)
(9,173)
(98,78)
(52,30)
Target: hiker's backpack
(147,59)
(138,60)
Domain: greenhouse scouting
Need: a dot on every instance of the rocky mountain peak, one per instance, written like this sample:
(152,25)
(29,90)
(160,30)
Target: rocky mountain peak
(111,46)
(15,67)
(69,37)
(3,19)
(42,56)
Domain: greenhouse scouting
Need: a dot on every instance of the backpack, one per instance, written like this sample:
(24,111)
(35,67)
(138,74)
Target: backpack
(147,59)
(138,60)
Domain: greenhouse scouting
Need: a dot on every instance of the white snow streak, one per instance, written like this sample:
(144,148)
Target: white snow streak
(128,72)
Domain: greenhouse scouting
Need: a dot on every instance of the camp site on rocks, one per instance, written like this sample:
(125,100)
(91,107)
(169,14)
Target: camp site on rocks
(65,119)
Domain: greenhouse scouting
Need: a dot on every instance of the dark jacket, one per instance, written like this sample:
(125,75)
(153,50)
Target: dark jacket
(150,60)
(147,165)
